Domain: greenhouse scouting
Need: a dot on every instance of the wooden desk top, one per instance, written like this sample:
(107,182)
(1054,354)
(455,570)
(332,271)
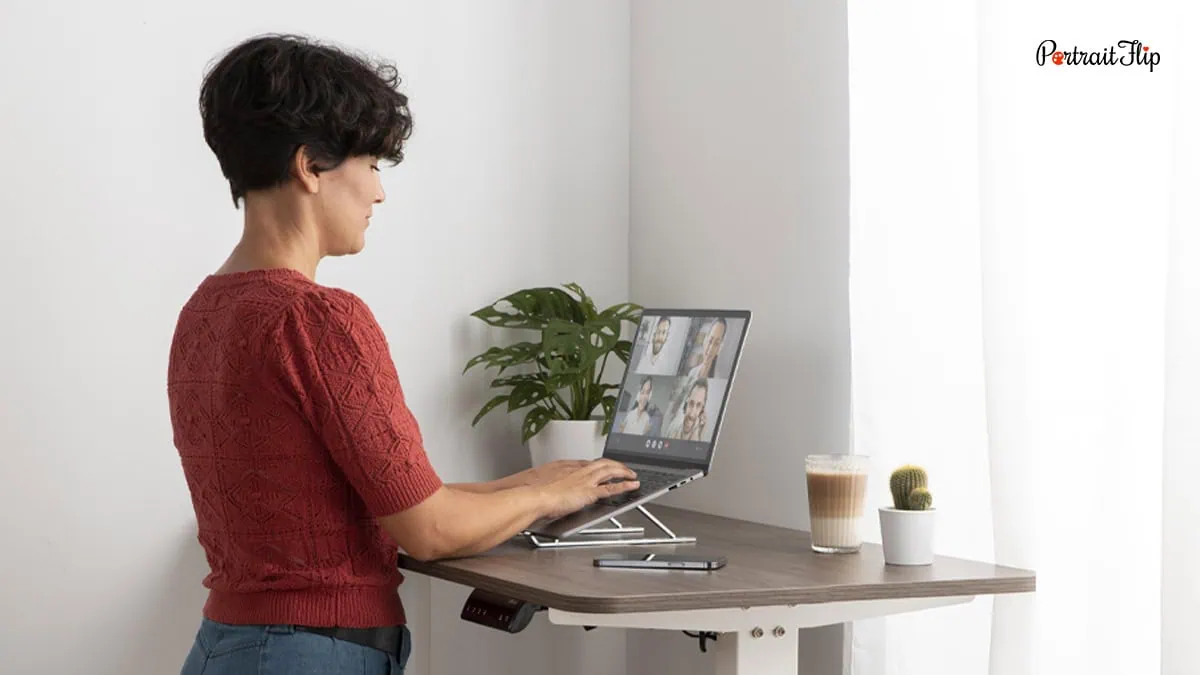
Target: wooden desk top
(767,566)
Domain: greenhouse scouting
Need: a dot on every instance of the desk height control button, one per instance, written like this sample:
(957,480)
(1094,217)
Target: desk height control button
(503,613)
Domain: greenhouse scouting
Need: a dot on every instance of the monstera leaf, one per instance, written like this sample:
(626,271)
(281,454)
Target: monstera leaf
(532,308)
(562,360)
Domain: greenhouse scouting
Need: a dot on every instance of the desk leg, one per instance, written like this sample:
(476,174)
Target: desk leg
(741,653)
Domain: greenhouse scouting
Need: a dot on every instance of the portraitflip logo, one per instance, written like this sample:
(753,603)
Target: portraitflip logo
(1124,53)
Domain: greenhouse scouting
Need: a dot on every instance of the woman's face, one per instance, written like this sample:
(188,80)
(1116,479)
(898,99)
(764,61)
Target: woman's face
(345,199)
(643,399)
(712,344)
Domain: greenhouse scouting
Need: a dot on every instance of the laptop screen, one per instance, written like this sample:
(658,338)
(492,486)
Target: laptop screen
(676,385)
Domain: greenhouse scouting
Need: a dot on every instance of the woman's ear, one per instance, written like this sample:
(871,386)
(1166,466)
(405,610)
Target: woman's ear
(304,169)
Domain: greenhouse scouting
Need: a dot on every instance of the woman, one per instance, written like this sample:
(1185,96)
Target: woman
(637,421)
(707,365)
(306,468)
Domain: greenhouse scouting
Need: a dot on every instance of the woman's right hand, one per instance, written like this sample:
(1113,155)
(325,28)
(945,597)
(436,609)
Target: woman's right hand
(585,486)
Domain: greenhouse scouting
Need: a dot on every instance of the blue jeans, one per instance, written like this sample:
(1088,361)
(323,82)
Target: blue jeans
(222,649)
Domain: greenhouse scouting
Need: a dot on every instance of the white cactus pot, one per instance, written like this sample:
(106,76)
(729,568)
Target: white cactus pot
(907,536)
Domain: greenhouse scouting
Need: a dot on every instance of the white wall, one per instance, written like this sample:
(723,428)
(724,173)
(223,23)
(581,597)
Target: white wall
(114,209)
(739,198)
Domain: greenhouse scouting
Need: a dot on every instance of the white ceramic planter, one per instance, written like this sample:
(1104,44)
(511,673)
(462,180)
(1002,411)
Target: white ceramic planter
(567,439)
(907,536)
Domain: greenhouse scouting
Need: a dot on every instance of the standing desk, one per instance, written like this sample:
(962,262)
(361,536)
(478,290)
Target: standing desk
(773,585)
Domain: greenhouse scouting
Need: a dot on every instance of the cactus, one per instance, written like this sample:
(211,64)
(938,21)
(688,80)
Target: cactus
(920,499)
(904,480)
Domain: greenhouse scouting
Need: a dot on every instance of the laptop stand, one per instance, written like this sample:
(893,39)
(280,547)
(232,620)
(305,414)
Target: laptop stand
(611,536)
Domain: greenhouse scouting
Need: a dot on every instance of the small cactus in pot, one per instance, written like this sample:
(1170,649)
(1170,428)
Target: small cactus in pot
(907,481)
(908,527)
(920,499)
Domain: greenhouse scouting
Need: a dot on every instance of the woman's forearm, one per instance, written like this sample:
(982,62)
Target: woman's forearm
(474,488)
(490,486)
(511,511)
(454,523)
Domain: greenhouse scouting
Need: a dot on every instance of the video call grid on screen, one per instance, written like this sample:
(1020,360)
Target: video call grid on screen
(676,383)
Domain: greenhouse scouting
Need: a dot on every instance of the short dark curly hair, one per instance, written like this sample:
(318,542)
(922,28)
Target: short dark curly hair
(272,94)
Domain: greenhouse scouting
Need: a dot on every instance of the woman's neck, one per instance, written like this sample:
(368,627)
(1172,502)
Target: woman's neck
(275,234)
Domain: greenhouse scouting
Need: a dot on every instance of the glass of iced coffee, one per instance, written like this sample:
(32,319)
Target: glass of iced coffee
(837,493)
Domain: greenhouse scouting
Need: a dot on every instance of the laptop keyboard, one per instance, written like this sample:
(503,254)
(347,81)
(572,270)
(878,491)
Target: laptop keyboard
(651,482)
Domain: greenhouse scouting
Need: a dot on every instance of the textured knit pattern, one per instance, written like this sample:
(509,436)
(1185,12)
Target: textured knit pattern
(294,435)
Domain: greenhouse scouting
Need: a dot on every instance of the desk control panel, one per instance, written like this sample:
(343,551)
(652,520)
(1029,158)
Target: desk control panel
(497,611)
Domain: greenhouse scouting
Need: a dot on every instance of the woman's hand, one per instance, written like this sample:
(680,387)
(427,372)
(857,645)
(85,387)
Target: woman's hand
(534,477)
(582,487)
(548,473)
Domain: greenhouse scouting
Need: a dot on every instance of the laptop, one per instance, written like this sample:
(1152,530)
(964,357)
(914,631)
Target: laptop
(673,397)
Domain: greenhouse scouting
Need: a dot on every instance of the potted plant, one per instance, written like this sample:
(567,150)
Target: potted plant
(558,375)
(907,527)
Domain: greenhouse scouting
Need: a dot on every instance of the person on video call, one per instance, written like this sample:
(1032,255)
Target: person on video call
(692,418)
(637,421)
(712,349)
(705,367)
(306,468)
(654,359)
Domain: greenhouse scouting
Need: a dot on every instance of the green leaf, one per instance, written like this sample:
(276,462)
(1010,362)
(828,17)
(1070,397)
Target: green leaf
(623,349)
(503,358)
(526,394)
(575,348)
(534,421)
(530,308)
(597,396)
(487,407)
(625,311)
(602,335)
(610,411)
(512,380)
(563,379)
(586,303)
(565,346)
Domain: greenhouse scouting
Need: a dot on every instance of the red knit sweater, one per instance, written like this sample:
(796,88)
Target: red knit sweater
(293,434)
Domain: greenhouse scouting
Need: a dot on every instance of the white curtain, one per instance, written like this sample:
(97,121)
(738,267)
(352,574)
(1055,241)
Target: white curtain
(1025,314)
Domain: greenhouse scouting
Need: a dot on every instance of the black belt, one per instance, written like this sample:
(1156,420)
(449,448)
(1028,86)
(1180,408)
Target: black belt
(384,638)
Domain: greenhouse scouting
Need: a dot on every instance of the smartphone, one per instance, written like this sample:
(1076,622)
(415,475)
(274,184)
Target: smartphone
(660,561)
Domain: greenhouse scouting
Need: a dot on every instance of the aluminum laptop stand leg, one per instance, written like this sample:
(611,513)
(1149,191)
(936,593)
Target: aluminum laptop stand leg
(610,536)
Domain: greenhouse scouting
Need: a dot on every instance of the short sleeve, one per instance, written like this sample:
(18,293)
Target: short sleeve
(336,359)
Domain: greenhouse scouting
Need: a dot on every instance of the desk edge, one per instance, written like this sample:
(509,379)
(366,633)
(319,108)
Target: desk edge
(678,602)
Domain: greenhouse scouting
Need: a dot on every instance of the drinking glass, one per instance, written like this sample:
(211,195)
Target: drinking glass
(837,494)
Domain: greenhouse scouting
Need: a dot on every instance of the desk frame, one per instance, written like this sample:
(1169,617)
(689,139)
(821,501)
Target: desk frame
(757,640)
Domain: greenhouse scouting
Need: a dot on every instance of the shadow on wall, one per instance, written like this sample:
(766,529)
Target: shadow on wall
(173,604)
